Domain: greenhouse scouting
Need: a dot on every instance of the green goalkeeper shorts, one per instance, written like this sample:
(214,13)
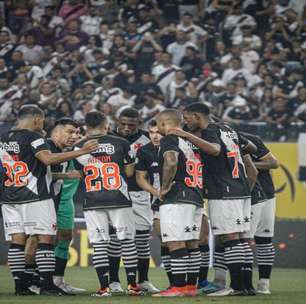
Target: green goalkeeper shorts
(65,215)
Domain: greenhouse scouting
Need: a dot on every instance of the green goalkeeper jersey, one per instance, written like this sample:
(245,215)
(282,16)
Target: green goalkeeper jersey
(70,186)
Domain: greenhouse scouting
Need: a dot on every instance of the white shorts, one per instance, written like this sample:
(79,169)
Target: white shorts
(32,218)
(262,219)
(180,222)
(98,221)
(141,201)
(229,216)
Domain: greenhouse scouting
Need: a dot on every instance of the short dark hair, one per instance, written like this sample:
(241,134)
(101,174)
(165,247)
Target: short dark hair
(129,112)
(152,123)
(198,107)
(66,121)
(95,119)
(30,111)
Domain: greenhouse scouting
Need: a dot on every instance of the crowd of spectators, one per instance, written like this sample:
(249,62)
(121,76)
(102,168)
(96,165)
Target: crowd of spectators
(245,59)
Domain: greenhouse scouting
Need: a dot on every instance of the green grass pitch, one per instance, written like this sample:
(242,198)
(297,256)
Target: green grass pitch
(287,286)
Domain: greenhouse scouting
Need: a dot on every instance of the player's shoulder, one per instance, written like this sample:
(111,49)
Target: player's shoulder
(252,137)
(169,139)
(113,138)
(147,148)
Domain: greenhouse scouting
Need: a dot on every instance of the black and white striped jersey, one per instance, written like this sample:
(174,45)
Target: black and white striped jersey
(26,179)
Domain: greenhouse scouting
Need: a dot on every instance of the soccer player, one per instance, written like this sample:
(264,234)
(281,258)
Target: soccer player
(263,213)
(148,179)
(27,205)
(66,180)
(180,206)
(128,128)
(107,200)
(226,188)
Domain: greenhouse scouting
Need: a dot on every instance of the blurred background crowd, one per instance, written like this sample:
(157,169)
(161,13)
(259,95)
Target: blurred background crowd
(245,59)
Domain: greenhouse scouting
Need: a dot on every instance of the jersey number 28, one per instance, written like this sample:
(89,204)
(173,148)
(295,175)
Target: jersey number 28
(106,176)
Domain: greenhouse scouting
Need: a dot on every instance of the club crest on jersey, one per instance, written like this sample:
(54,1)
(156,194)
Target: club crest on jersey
(106,148)
(11,146)
(38,142)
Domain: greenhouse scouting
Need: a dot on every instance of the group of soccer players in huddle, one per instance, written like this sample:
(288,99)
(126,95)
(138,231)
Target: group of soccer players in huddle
(187,168)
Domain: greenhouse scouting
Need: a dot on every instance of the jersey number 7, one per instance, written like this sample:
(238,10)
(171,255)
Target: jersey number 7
(16,173)
(234,155)
(107,176)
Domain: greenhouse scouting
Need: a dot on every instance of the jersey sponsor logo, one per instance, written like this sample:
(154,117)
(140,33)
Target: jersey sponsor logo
(154,164)
(106,148)
(11,146)
(38,142)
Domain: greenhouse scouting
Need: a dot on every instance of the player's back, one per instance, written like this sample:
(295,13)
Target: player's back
(105,180)
(264,176)
(188,177)
(224,176)
(136,141)
(27,179)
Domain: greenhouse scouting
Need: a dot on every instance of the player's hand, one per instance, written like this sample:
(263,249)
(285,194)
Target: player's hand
(177,131)
(90,146)
(73,174)
(163,192)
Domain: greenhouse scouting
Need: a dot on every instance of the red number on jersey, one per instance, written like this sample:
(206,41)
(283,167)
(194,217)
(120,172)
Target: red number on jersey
(194,169)
(108,172)
(235,171)
(16,174)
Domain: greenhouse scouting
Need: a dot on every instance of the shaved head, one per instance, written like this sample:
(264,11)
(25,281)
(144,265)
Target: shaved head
(171,116)
(168,119)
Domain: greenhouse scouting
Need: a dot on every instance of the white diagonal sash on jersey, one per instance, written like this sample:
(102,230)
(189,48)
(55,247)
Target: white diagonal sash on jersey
(228,141)
(85,160)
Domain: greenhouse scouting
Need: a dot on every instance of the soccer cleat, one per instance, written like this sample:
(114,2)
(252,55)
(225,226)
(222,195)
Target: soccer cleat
(134,290)
(69,289)
(171,292)
(53,291)
(251,291)
(263,288)
(25,292)
(115,288)
(227,292)
(209,287)
(102,292)
(34,289)
(148,287)
(191,290)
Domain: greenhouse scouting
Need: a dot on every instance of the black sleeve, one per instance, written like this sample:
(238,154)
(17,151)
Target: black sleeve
(262,150)
(243,141)
(211,135)
(37,143)
(169,143)
(141,160)
(129,157)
